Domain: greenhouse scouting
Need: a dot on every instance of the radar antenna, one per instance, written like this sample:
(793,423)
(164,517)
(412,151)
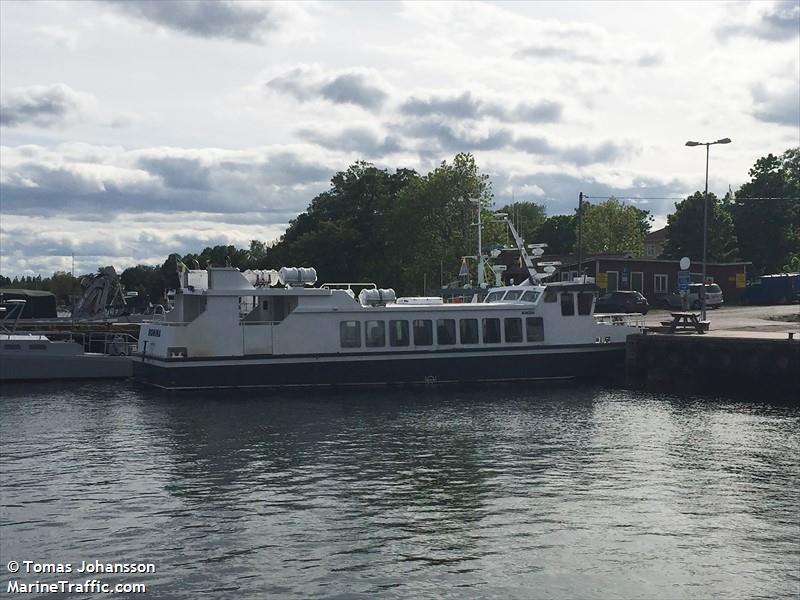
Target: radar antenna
(536,249)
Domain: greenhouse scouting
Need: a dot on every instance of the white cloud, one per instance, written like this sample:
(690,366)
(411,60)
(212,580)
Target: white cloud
(34,245)
(777,101)
(75,179)
(250,21)
(769,21)
(467,106)
(53,105)
(56,106)
(235,120)
(52,35)
(306,83)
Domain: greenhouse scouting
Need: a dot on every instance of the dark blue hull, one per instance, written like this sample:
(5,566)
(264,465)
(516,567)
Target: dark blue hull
(566,362)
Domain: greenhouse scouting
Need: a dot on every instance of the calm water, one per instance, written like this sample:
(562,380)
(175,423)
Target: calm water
(558,492)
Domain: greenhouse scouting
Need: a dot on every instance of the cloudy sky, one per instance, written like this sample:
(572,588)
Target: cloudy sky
(131,130)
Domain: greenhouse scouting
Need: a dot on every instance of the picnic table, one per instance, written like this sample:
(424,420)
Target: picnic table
(686,320)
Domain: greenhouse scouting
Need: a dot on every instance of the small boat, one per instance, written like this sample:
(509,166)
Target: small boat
(34,356)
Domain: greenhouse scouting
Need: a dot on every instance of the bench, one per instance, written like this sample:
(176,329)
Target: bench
(686,320)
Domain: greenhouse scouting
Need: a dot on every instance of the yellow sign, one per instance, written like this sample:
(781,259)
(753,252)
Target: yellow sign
(740,280)
(602,280)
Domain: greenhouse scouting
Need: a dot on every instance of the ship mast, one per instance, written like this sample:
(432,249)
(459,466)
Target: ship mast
(481,258)
(481,274)
(537,249)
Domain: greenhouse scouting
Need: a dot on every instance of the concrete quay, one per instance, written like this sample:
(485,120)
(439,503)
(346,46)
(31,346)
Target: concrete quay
(748,351)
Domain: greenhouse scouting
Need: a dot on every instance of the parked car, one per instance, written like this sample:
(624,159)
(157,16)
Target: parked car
(622,302)
(714,297)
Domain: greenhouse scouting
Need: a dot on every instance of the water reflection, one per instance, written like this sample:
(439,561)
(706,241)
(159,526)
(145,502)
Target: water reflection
(559,492)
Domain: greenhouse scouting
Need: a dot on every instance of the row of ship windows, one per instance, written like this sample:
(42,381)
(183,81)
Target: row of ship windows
(568,302)
(420,332)
(19,347)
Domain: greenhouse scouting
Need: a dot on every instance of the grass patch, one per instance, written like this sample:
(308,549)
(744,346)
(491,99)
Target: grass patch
(786,318)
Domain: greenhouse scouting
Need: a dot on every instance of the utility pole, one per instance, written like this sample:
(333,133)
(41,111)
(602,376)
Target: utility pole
(705,240)
(580,241)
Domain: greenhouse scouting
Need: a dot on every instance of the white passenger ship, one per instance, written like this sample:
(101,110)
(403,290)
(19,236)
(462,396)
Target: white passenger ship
(231,329)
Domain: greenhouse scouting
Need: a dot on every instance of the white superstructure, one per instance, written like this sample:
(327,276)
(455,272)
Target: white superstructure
(226,331)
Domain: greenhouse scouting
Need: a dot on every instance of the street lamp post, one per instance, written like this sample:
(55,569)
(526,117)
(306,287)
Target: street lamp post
(705,221)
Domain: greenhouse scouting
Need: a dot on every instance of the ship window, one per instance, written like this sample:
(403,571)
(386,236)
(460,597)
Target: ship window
(550,295)
(494,297)
(513,330)
(193,307)
(37,347)
(12,347)
(282,306)
(530,296)
(445,331)
(350,334)
(534,329)
(491,331)
(469,331)
(513,295)
(375,333)
(398,333)
(585,303)
(567,304)
(423,332)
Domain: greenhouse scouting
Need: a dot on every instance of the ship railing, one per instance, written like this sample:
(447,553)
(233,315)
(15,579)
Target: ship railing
(348,286)
(620,320)
(115,344)
(243,322)
(10,313)
(97,342)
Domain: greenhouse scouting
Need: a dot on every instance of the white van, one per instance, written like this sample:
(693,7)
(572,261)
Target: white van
(714,297)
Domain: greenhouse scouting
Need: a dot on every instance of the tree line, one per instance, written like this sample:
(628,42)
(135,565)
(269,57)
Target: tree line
(760,222)
(412,230)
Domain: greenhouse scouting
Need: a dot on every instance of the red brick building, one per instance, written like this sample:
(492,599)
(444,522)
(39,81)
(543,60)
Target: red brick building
(652,277)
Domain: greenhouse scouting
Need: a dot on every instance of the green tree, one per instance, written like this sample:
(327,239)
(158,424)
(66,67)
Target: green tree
(685,230)
(559,233)
(429,228)
(169,275)
(343,232)
(147,281)
(792,264)
(767,212)
(220,256)
(527,217)
(614,227)
(64,286)
(399,228)
(257,255)
(60,283)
